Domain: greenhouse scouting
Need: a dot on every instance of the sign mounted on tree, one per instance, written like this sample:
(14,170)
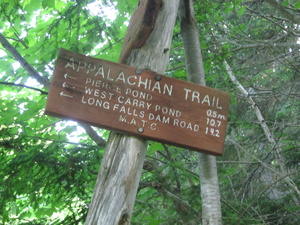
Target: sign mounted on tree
(138,102)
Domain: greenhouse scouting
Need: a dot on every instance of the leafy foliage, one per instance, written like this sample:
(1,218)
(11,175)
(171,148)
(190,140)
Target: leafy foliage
(49,166)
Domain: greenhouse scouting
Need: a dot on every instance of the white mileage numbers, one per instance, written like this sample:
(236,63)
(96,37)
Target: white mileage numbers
(213,122)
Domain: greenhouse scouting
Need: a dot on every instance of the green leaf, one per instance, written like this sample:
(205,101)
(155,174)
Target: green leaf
(43,212)
(32,6)
(241,11)
(48,4)
(285,3)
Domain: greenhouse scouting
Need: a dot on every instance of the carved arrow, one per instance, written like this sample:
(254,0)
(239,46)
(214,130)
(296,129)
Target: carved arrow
(65,85)
(62,94)
(67,76)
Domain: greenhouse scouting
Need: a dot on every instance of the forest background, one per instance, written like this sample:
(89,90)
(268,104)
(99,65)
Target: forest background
(49,166)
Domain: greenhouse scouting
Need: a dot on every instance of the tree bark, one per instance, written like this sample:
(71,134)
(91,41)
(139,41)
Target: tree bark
(210,194)
(121,167)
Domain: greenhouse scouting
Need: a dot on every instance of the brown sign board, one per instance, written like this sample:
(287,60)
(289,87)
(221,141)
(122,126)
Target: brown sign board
(138,102)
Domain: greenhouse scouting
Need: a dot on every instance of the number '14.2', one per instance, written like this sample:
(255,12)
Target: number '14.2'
(212,131)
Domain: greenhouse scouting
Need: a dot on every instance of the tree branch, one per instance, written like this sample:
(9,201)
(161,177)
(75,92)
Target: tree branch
(60,142)
(25,86)
(44,81)
(284,12)
(286,178)
(270,44)
(250,100)
(266,130)
(93,135)
(183,207)
(32,72)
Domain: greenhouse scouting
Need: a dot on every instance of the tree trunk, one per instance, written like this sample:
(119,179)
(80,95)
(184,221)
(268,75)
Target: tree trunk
(210,194)
(121,167)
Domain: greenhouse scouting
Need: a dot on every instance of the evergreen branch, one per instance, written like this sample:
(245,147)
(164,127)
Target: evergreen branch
(25,86)
(32,72)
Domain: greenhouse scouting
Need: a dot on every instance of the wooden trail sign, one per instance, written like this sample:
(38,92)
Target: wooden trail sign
(138,102)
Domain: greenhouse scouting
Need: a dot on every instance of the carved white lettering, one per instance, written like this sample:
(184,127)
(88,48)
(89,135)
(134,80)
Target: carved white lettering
(144,83)
(195,96)
(186,125)
(132,122)
(212,131)
(142,114)
(206,100)
(138,94)
(153,126)
(98,93)
(122,119)
(168,111)
(103,85)
(156,86)
(91,67)
(108,75)
(121,77)
(130,78)
(100,72)
(187,91)
(144,122)
(81,65)
(134,102)
(96,102)
(127,102)
(71,64)
(159,118)
(168,89)
(116,107)
(129,111)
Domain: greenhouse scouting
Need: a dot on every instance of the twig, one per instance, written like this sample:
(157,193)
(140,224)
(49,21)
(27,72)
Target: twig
(250,100)
(93,135)
(44,81)
(25,86)
(32,72)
